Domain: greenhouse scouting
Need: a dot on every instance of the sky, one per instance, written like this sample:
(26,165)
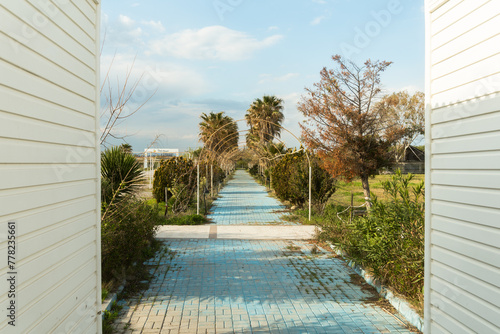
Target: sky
(198,56)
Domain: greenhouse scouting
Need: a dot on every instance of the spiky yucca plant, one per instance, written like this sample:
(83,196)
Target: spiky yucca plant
(120,174)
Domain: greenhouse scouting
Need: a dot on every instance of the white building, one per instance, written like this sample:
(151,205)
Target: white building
(463,166)
(49,166)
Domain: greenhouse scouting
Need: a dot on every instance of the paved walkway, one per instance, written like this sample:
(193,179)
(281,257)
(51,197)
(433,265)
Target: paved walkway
(244,201)
(222,282)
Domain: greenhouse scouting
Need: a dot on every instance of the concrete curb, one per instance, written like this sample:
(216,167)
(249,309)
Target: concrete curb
(401,305)
(108,302)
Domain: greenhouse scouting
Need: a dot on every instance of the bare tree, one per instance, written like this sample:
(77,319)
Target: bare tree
(118,98)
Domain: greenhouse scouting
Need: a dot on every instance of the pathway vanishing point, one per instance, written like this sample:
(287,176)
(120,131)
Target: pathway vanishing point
(245,274)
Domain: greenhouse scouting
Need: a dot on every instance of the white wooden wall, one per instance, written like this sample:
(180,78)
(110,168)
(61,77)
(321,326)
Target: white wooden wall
(463,166)
(49,163)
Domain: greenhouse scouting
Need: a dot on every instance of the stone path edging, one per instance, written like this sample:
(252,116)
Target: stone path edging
(401,305)
(238,232)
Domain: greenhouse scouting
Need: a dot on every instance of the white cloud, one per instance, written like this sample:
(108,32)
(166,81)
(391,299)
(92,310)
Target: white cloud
(321,2)
(271,28)
(213,42)
(126,21)
(157,26)
(121,33)
(317,20)
(167,79)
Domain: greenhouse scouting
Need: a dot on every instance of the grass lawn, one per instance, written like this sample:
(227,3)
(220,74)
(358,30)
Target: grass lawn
(342,195)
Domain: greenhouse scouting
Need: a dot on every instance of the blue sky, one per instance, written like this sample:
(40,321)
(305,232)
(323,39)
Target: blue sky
(219,55)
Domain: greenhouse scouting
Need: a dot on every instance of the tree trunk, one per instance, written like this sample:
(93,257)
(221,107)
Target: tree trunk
(366,190)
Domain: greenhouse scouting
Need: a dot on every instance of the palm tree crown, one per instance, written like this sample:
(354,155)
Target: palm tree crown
(218,132)
(265,117)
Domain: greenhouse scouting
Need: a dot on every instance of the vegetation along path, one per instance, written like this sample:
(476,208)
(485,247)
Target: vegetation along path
(233,281)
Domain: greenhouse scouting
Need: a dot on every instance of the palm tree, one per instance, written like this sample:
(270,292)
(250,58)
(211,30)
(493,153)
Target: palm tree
(120,174)
(218,132)
(265,117)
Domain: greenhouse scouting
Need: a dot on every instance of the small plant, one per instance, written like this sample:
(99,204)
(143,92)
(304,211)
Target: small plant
(110,317)
(104,294)
(125,232)
(120,174)
(186,220)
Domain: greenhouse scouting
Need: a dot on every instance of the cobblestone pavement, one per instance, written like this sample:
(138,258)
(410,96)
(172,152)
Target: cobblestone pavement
(244,201)
(214,283)
(244,286)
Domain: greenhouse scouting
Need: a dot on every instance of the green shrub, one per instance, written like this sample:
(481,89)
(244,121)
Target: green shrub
(254,170)
(186,220)
(290,179)
(390,239)
(120,174)
(178,175)
(126,230)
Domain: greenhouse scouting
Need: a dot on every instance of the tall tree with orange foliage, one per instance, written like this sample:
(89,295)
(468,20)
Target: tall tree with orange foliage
(350,134)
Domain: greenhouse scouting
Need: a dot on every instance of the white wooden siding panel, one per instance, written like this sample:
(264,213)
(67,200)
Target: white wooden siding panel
(23,128)
(13,27)
(482,124)
(67,25)
(479,106)
(14,202)
(481,252)
(40,153)
(463,44)
(18,103)
(468,266)
(482,311)
(470,73)
(74,14)
(56,257)
(58,231)
(38,175)
(36,221)
(80,324)
(469,90)
(471,143)
(78,318)
(41,67)
(479,197)
(47,28)
(471,213)
(485,291)
(478,13)
(23,81)
(475,54)
(78,285)
(455,14)
(87,9)
(31,294)
(85,320)
(442,321)
(477,160)
(438,8)
(467,231)
(462,315)
(48,92)
(471,178)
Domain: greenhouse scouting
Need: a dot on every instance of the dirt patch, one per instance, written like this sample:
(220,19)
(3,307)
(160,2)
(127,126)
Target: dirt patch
(375,299)
(325,246)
